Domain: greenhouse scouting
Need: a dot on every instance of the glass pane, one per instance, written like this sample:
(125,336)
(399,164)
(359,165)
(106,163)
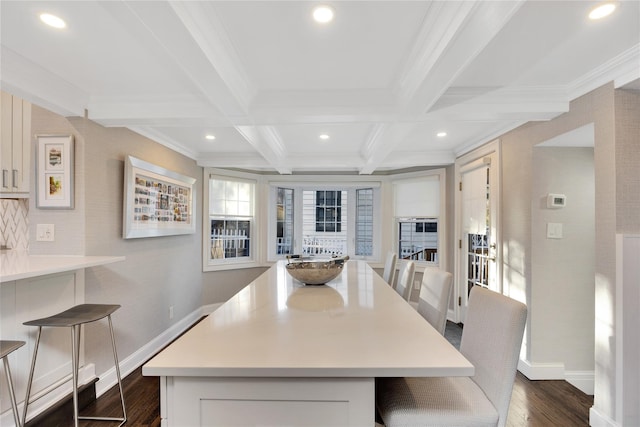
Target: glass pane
(231,191)
(284,221)
(244,208)
(244,191)
(231,207)
(417,239)
(364,222)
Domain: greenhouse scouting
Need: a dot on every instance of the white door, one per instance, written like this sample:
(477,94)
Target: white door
(478,238)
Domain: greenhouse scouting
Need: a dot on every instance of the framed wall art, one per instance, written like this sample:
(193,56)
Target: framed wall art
(157,201)
(54,176)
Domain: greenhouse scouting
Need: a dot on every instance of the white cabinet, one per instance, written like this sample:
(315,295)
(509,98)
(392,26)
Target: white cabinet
(15,138)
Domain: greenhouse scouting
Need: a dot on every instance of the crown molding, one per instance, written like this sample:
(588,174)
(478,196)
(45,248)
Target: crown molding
(163,140)
(622,67)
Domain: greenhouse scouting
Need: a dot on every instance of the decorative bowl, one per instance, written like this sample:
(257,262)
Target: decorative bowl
(315,271)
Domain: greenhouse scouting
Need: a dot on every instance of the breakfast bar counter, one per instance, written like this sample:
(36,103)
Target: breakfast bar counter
(18,265)
(283,353)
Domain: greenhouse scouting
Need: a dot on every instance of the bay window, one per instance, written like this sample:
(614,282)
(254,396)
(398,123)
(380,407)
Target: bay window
(317,220)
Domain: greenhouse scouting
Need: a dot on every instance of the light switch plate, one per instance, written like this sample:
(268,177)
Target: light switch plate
(45,233)
(554,230)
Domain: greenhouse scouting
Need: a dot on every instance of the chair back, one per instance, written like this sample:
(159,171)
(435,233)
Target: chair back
(435,293)
(389,272)
(405,280)
(491,341)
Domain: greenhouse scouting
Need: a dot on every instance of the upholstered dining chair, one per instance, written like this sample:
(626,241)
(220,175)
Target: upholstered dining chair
(435,293)
(491,341)
(405,279)
(389,272)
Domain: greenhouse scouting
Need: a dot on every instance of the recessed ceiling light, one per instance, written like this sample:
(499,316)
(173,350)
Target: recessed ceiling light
(602,10)
(210,137)
(52,20)
(324,136)
(441,134)
(323,14)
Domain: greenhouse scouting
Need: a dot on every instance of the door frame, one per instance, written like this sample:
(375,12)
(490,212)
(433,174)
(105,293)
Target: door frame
(459,292)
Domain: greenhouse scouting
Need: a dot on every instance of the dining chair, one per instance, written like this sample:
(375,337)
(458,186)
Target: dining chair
(389,272)
(435,294)
(491,341)
(405,279)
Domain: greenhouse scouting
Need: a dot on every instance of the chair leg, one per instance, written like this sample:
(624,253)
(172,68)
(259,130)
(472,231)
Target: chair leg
(12,394)
(30,380)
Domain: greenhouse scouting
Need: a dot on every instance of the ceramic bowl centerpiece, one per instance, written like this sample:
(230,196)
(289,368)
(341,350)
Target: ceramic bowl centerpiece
(315,271)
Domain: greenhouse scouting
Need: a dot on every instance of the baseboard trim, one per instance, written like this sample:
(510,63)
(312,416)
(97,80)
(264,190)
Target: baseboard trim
(597,419)
(109,378)
(541,371)
(582,380)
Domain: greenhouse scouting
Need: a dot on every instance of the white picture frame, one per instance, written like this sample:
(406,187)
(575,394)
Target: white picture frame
(157,202)
(55,169)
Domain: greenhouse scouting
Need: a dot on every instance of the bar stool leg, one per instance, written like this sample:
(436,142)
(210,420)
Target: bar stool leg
(33,365)
(75,355)
(12,394)
(117,364)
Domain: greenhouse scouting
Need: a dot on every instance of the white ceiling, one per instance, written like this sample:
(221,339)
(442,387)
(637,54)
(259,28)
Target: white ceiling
(382,79)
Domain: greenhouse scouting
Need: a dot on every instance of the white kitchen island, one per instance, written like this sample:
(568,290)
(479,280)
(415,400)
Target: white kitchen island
(280,353)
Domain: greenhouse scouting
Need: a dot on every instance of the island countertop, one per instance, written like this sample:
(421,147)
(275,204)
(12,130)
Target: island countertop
(354,326)
(18,265)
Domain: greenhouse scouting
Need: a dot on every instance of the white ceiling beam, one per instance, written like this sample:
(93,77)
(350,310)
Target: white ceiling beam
(462,33)
(28,80)
(201,21)
(266,141)
(380,135)
(199,45)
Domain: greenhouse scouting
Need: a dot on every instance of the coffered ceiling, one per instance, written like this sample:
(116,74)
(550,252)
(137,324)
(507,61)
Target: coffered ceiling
(381,80)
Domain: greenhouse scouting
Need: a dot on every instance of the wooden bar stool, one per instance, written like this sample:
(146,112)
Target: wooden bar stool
(6,348)
(74,318)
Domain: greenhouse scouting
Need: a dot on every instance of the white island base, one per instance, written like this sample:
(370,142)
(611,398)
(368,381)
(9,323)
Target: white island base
(280,353)
(268,401)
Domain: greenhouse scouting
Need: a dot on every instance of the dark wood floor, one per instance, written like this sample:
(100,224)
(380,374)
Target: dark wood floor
(533,404)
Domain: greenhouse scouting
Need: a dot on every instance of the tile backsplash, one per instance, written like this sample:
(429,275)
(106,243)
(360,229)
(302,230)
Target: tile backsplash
(14,223)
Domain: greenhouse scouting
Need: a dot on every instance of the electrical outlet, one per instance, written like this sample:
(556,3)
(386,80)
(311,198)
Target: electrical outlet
(45,233)
(416,284)
(170,312)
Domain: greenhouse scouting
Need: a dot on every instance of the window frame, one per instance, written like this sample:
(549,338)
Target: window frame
(253,260)
(441,218)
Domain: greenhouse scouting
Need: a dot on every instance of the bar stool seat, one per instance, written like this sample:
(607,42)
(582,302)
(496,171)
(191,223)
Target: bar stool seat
(6,348)
(74,318)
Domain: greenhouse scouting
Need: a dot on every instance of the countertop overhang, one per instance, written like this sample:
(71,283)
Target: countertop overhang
(18,265)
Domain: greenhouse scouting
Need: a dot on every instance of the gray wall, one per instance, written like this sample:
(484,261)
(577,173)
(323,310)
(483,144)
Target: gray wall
(564,267)
(615,116)
(157,273)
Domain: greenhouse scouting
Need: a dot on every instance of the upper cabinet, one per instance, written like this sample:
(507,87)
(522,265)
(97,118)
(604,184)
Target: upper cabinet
(15,156)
